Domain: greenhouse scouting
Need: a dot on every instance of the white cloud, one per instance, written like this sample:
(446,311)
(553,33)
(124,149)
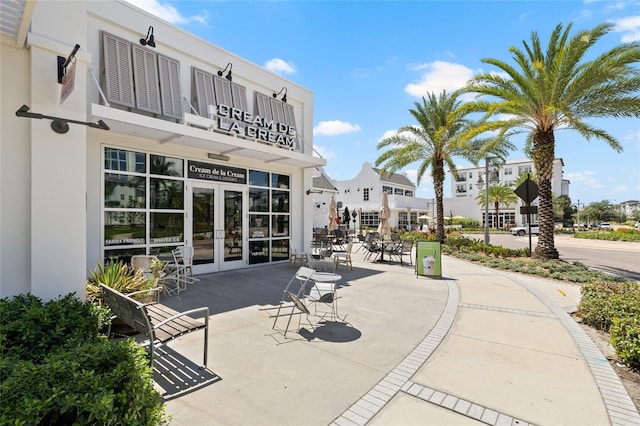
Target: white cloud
(629,27)
(167,12)
(587,178)
(280,66)
(335,127)
(440,76)
(325,152)
(388,134)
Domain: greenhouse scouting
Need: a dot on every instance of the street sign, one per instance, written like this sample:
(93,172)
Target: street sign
(529,209)
(528,191)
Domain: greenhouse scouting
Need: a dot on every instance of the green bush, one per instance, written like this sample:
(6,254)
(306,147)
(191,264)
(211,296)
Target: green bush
(601,302)
(57,369)
(625,338)
(117,275)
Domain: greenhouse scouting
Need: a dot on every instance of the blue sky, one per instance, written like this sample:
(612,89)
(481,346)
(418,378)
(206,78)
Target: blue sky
(368,62)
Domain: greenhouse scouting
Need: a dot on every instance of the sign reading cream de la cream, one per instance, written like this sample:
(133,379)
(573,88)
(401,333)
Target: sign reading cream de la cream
(215,172)
(253,126)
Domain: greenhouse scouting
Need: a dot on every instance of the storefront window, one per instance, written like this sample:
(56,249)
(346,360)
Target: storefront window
(274,223)
(124,161)
(280,250)
(122,228)
(166,194)
(281,226)
(124,191)
(280,181)
(280,201)
(166,227)
(132,198)
(167,166)
(258,252)
(257,178)
(258,226)
(258,200)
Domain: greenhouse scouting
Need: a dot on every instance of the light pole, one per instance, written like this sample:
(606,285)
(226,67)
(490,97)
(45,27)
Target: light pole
(480,184)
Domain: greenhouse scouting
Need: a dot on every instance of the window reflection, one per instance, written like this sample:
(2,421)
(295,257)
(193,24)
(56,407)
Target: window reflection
(124,161)
(166,194)
(280,181)
(166,227)
(280,201)
(124,191)
(257,178)
(124,228)
(280,227)
(166,166)
(280,250)
(258,200)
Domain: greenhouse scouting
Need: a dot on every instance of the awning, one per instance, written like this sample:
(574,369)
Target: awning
(170,133)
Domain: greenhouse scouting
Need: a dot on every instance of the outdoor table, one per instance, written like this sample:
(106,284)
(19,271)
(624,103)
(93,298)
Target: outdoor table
(326,278)
(383,245)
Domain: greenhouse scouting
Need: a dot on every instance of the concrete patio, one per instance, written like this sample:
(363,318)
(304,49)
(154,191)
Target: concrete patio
(476,347)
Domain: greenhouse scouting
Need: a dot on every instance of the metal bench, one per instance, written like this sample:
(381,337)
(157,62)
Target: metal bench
(155,320)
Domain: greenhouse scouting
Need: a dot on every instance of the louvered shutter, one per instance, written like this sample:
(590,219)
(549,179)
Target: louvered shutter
(263,106)
(277,109)
(290,120)
(239,95)
(170,93)
(223,97)
(204,96)
(145,72)
(118,78)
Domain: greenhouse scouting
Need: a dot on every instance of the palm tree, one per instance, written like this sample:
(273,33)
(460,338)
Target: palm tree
(557,88)
(433,143)
(498,194)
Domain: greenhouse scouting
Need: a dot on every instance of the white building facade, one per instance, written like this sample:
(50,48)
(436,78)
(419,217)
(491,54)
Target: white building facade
(148,143)
(364,195)
(465,187)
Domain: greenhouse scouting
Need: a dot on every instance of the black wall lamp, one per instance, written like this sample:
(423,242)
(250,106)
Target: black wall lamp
(284,97)
(228,67)
(59,125)
(63,62)
(149,41)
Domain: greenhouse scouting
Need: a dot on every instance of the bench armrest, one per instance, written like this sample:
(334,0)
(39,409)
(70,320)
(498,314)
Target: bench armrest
(186,313)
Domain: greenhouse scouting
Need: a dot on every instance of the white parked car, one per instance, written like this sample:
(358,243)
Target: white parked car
(524,229)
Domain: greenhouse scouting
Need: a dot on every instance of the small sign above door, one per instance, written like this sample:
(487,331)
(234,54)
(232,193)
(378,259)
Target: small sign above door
(216,172)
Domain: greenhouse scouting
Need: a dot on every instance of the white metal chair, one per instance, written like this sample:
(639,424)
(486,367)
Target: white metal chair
(296,256)
(179,268)
(344,257)
(301,277)
(145,263)
(187,253)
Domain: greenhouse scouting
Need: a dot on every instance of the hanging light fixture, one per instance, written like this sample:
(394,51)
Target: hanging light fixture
(284,97)
(228,67)
(149,40)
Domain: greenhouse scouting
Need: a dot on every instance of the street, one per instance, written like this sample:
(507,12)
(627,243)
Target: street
(620,258)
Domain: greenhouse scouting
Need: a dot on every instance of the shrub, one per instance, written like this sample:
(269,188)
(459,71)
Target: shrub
(57,369)
(601,302)
(625,338)
(117,275)
(30,329)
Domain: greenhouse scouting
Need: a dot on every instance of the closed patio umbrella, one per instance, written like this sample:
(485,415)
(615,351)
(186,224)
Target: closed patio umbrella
(385,214)
(333,215)
(346,217)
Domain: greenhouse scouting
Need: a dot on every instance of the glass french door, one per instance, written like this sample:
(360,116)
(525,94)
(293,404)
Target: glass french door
(217,226)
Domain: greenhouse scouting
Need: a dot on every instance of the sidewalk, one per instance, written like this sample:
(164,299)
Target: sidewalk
(478,347)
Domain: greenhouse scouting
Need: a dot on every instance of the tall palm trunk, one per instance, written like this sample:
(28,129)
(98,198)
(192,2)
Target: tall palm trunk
(438,183)
(543,155)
